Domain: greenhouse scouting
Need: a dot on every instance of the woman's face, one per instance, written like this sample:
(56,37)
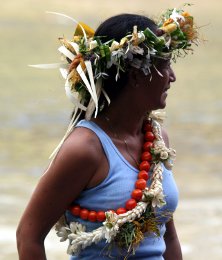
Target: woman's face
(159,84)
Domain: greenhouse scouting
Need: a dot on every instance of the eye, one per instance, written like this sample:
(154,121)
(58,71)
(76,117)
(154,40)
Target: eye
(166,63)
(169,65)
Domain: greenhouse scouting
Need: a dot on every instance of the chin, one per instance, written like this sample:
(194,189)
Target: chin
(163,102)
(161,105)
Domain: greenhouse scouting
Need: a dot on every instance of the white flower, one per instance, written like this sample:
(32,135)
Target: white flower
(111,226)
(151,52)
(160,116)
(115,57)
(62,230)
(163,155)
(169,162)
(147,195)
(158,199)
(159,146)
(110,233)
(63,233)
(172,153)
(93,44)
(114,46)
(136,50)
(141,37)
(176,16)
(76,227)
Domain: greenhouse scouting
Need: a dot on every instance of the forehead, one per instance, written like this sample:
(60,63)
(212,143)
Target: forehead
(161,60)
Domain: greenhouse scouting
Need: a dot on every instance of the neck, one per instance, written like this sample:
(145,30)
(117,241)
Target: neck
(125,115)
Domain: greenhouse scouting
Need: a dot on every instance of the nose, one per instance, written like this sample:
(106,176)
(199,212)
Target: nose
(172,75)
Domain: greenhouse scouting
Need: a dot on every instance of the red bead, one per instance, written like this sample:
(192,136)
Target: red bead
(137,194)
(75,210)
(144,165)
(147,146)
(131,204)
(92,216)
(101,216)
(149,136)
(84,214)
(143,175)
(146,156)
(140,184)
(120,211)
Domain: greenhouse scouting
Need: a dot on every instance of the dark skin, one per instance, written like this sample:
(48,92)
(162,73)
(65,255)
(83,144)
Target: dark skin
(69,174)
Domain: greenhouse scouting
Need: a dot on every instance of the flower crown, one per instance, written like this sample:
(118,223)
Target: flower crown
(87,59)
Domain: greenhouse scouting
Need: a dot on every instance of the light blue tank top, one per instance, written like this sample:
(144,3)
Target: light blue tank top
(112,193)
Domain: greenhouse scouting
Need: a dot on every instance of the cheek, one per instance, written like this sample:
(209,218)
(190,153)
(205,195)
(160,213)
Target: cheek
(158,83)
(165,78)
(162,82)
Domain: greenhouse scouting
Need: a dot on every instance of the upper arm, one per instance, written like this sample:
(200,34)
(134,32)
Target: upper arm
(63,181)
(173,248)
(170,230)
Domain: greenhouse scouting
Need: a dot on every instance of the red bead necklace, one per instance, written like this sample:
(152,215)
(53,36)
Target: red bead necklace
(140,184)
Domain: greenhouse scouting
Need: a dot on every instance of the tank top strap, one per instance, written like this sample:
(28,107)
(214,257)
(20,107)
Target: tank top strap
(112,153)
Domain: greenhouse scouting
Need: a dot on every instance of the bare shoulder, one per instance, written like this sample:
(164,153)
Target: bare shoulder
(81,150)
(81,144)
(74,166)
(165,136)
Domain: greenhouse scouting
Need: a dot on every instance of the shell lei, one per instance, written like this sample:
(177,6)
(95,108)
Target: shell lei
(152,196)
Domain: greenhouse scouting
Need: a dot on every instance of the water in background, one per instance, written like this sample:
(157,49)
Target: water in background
(34,114)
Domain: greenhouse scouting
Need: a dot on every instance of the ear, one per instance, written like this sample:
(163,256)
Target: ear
(136,77)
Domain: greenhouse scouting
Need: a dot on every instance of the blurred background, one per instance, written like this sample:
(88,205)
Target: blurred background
(35,112)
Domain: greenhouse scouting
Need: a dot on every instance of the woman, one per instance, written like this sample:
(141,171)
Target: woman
(99,164)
